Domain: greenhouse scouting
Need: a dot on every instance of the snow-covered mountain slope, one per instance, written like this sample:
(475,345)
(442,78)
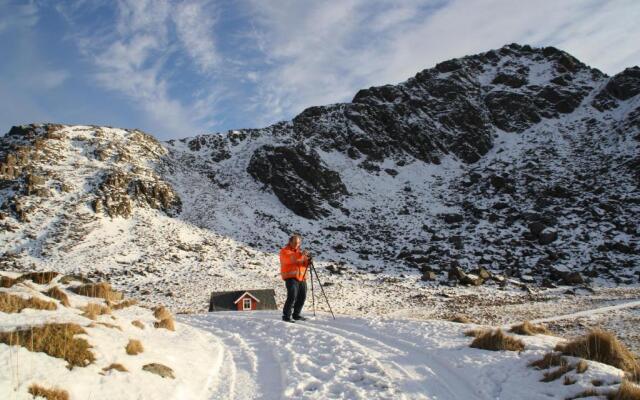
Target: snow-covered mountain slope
(522,161)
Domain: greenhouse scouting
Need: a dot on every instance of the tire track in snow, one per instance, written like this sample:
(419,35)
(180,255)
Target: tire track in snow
(334,359)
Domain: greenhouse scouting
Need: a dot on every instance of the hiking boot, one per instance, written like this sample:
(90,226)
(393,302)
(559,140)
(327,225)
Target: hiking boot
(299,318)
(287,319)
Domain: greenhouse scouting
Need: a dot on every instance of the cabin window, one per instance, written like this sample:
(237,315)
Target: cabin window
(246,304)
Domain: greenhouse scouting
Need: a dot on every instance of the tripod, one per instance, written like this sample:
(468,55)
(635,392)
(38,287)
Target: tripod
(313,298)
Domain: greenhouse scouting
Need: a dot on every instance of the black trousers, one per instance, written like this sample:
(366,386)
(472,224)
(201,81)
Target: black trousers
(296,295)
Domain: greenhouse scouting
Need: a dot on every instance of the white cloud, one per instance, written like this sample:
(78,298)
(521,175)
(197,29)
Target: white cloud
(23,15)
(132,59)
(194,24)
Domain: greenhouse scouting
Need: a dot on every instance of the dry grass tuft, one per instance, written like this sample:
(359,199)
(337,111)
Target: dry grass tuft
(93,310)
(102,290)
(41,278)
(597,382)
(601,346)
(556,373)
(549,360)
(634,376)
(527,328)
(10,303)
(116,366)
(461,319)
(58,294)
(124,304)
(569,380)
(108,325)
(497,340)
(161,312)
(166,323)
(49,394)
(7,282)
(586,393)
(582,366)
(56,340)
(137,324)
(73,278)
(475,332)
(627,391)
(134,347)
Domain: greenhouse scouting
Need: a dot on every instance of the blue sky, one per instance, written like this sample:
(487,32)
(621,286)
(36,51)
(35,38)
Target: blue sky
(181,68)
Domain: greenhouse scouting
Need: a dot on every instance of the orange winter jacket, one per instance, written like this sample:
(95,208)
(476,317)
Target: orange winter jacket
(293,264)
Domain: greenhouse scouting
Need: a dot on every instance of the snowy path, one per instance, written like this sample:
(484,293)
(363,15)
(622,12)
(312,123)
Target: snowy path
(354,358)
(586,313)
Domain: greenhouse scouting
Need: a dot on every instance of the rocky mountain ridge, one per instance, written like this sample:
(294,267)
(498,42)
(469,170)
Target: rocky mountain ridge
(519,162)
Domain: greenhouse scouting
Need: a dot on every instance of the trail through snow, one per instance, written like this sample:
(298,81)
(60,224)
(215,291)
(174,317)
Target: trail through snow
(358,358)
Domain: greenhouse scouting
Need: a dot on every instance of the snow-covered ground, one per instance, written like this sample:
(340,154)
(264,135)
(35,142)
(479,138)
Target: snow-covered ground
(194,356)
(255,355)
(376,358)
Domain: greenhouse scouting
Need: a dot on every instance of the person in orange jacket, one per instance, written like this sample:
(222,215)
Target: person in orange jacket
(293,270)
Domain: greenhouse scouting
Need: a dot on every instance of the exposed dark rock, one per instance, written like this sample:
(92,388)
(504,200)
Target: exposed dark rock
(299,178)
(547,236)
(453,218)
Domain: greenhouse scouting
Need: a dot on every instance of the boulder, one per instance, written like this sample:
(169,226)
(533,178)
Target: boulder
(429,276)
(453,218)
(159,369)
(547,236)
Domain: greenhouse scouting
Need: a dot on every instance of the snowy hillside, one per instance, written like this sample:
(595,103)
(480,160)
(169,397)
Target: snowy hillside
(515,168)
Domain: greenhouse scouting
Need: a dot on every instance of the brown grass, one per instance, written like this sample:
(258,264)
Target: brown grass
(475,332)
(549,360)
(161,312)
(108,325)
(116,366)
(49,394)
(56,340)
(7,282)
(102,290)
(461,319)
(497,340)
(586,393)
(134,347)
(627,391)
(527,328)
(582,366)
(634,376)
(58,294)
(601,346)
(597,382)
(93,310)
(73,278)
(124,304)
(166,323)
(41,278)
(569,380)
(556,373)
(137,324)
(10,303)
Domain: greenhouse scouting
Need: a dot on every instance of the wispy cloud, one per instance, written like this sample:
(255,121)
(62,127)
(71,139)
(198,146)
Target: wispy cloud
(133,59)
(21,15)
(195,25)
